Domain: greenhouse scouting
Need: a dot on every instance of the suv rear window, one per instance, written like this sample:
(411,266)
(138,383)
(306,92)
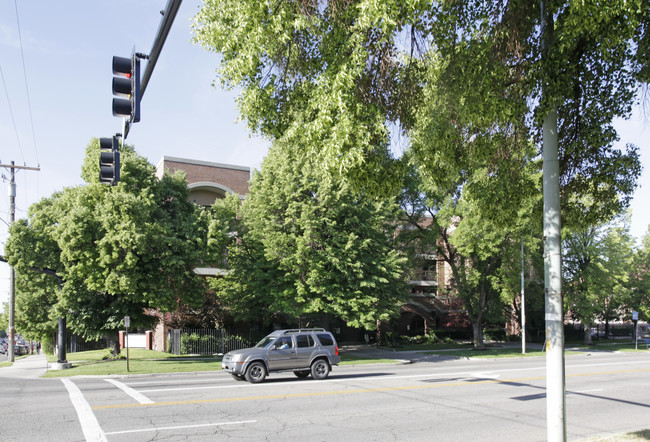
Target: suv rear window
(304,341)
(325,339)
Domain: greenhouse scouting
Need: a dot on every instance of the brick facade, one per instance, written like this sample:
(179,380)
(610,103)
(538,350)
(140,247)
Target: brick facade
(207,181)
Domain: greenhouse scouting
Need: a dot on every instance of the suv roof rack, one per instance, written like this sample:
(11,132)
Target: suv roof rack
(300,330)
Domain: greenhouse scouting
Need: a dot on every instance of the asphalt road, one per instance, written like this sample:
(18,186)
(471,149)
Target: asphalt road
(433,399)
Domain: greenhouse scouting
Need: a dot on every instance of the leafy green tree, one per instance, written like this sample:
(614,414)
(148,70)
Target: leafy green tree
(308,244)
(4,320)
(457,86)
(38,291)
(478,247)
(598,266)
(640,279)
(115,250)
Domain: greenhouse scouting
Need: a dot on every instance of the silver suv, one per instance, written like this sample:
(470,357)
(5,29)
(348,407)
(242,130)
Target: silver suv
(304,351)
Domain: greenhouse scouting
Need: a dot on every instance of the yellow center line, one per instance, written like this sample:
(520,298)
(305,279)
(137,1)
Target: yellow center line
(356,391)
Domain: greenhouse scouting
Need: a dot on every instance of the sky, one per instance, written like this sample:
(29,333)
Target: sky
(55,96)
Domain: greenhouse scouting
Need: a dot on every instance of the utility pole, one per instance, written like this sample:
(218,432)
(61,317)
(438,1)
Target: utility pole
(555,372)
(12,274)
(523,301)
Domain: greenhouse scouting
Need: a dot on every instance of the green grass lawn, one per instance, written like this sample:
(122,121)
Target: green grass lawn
(149,361)
(442,346)
(140,362)
(642,435)
(350,359)
(498,351)
(489,353)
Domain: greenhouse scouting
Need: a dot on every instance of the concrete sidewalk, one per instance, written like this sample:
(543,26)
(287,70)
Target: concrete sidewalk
(31,367)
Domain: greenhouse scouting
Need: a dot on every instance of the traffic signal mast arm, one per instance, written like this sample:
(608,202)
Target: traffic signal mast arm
(129,90)
(137,86)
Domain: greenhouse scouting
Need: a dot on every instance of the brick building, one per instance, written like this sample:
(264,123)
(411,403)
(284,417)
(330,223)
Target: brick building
(209,181)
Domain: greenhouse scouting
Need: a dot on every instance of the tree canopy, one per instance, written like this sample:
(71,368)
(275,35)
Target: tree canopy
(597,273)
(114,251)
(349,79)
(308,244)
(452,89)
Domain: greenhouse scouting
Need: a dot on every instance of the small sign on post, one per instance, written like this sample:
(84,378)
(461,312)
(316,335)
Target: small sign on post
(127,323)
(635,318)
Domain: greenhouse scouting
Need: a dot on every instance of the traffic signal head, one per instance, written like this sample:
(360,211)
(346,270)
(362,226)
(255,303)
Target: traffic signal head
(109,161)
(126,83)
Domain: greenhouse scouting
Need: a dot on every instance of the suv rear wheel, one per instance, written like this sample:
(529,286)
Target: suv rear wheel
(256,372)
(320,369)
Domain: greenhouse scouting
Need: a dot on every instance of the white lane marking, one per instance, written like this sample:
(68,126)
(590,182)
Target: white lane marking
(89,425)
(457,375)
(482,375)
(454,375)
(479,376)
(131,392)
(181,427)
(585,391)
(601,364)
(180,381)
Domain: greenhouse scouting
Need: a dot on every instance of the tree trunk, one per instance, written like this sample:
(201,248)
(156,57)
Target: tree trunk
(379,336)
(114,345)
(587,331)
(477,324)
(478,334)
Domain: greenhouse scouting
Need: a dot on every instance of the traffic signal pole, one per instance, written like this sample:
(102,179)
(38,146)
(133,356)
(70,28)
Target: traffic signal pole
(12,274)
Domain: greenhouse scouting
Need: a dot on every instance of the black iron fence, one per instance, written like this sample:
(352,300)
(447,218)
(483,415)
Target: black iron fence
(204,341)
(76,343)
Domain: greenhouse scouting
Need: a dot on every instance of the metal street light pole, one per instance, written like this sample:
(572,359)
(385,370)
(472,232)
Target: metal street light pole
(555,373)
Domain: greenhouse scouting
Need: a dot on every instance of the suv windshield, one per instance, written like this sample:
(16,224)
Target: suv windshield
(265,342)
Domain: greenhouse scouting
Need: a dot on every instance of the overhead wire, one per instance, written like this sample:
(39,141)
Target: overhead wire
(29,104)
(11,112)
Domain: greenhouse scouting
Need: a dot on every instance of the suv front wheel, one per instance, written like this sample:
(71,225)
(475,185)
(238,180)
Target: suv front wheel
(256,372)
(320,369)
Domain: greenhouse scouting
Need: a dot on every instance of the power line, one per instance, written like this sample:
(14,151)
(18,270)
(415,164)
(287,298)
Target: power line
(29,104)
(11,112)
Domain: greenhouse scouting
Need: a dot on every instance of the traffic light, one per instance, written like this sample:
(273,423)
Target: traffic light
(126,83)
(109,161)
